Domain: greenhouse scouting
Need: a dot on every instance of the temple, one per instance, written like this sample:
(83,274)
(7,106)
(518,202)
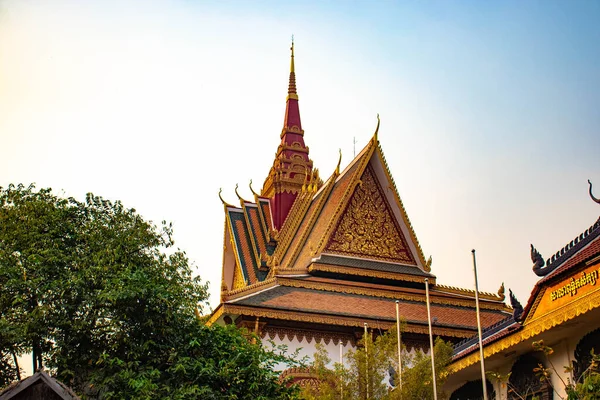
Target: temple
(309,261)
(563,313)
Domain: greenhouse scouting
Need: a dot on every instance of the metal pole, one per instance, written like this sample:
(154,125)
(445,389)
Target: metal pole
(399,345)
(366,362)
(479,328)
(342,365)
(431,341)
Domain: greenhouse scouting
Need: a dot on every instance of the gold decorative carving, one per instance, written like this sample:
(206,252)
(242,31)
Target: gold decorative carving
(215,316)
(388,294)
(238,279)
(367,152)
(469,292)
(392,184)
(367,272)
(501,294)
(368,228)
(309,336)
(303,377)
(297,213)
(246,290)
(340,320)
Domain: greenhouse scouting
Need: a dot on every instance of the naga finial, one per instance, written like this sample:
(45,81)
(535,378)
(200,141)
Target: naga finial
(596,200)
(337,169)
(377,128)
(501,292)
(538,262)
(236,192)
(252,190)
(517,307)
(428,264)
(221,197)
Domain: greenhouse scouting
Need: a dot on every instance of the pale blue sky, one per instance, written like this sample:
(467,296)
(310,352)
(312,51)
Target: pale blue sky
(490,117)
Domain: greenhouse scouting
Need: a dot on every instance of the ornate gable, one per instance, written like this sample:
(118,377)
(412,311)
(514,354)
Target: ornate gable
(367,228)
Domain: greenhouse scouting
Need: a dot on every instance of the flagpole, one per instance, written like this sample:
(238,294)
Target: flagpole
(399,345)
(483,381)
(431,341)
(366,361)
(342,365)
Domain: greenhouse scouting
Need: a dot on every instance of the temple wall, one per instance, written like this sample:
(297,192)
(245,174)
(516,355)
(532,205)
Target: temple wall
(308,347)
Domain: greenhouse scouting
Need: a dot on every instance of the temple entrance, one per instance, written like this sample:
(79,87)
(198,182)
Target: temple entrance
(524,384)
(473,390)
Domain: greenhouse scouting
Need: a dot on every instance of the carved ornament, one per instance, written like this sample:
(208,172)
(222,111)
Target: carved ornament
(389,294)
(392,184)
(368,228)
(339,320)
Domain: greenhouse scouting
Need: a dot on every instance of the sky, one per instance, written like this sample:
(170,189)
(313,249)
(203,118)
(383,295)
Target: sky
(489,111)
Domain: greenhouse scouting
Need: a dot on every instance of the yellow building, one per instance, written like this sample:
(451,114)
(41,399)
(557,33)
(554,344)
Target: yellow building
(563,310)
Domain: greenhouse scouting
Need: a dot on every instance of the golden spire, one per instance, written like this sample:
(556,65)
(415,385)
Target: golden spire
(292,94)
(292,69)
(377,128)
(337,168)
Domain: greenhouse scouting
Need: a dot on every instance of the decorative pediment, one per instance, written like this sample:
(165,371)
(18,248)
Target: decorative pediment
(368,228)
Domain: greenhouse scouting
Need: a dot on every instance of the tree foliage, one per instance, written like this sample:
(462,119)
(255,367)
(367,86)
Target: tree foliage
(366,371)
(100,297)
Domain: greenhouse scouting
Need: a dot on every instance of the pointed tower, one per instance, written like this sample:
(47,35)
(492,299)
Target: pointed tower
(292,167)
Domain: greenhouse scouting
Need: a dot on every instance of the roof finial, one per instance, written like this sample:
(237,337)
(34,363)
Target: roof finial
(237,194)
(292,69)
(377,128)
(591,195)
(337,169)
(252,190)
(226,204)
(292,94)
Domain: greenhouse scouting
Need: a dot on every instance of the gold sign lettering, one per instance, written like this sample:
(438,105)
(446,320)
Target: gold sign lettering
(573,284)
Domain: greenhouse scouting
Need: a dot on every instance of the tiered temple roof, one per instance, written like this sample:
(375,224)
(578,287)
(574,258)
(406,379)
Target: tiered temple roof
(337,253)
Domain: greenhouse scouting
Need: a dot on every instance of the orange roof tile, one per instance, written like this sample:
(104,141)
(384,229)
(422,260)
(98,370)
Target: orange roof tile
(353,305)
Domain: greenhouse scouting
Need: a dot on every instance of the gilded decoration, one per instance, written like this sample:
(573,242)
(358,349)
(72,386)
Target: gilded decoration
(340,321)
(367,272)
(533,328)
(246,290)
(392,184)
(469,292)
(354,179)
(389,294)
(368,228)
(296,216)
(302,377)
(238,279)
(577,284)
(308,336)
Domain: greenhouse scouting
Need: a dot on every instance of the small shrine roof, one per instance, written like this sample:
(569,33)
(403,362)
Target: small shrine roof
(29,388)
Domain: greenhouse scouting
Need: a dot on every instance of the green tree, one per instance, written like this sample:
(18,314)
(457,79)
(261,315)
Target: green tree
(98,295)
(366,370)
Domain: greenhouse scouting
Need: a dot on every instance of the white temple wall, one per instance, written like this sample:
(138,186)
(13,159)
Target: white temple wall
(308,347)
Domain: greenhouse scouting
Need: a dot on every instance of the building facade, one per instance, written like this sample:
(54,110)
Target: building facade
(309,261)
(563,311)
